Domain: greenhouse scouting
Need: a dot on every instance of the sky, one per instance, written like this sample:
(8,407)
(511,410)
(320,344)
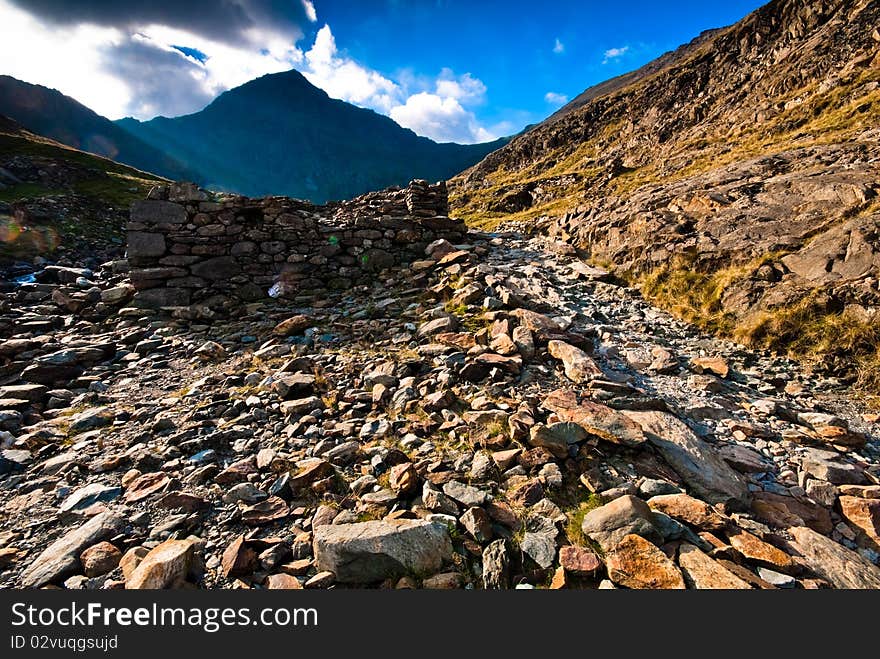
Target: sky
(453,70)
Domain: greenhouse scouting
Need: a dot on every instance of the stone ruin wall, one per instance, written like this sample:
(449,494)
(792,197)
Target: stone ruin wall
(187,247)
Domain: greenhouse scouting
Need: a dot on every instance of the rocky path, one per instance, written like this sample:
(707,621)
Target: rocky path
(500,415)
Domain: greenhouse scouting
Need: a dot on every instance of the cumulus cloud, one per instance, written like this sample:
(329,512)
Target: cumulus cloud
(309,8)
(555,99)
(442,119)
(439,111)
(558,47)
(146,58)
(343,78)
(614,53)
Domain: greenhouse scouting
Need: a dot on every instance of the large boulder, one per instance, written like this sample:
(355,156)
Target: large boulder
(637,563)
(841,567)
(367,552)
(699,466)
(61,559)
(167,565)
(624,516)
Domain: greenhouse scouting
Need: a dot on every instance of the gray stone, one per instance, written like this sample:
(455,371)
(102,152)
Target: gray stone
(496,566)
(841,567)
(154,298)
(88,495)
(221,267)
(145,245)
(695,461)
(154,211)
(61,559)
(367,552)
(540,547)
(466,495)
(827,466)
(608,524)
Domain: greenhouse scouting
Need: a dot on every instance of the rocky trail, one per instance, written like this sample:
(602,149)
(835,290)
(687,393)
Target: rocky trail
(519,421)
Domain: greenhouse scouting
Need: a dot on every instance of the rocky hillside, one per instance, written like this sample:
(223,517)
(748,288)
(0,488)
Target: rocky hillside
(50,113)
(57,201)
(279,134)
(735,180)
(515,420)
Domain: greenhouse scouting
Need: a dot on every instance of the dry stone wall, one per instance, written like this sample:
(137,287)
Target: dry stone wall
(186,246)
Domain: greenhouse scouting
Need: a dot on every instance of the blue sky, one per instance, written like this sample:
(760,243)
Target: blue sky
(452,70)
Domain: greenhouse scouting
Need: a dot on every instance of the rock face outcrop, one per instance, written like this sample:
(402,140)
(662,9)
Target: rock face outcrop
(750,154)
(186,247)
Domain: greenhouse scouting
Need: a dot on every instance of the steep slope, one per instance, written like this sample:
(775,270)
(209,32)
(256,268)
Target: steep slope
(48,112)
(279,134)
(735,180)
(53,197)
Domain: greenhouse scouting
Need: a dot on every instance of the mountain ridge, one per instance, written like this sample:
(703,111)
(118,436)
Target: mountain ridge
(50,113)
(348,150)
(734,180)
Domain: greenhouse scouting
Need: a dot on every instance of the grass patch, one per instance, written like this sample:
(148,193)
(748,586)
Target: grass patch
(810,331)
(25,191)
(573,530)
(697,296)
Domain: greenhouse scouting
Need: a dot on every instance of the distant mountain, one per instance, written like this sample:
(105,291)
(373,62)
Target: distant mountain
(279,134)
(52,114)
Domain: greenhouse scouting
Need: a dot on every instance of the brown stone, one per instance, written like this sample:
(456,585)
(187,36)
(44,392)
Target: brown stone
(166,566)
(312,472)
(403,478)
(99,559)
(694,512)
(715,365)
(293,325)
(702,572)
(238,559)
(755,549)
(145,485)
(841,567)
(864,514)
(597,419)
(131,559)
(637,563)
(579,366)
(283,581)
(782,512)
(270,510)
(443,581)
(579,561)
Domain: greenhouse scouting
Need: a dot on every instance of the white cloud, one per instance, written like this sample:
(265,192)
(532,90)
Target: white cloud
(119,72)
(614,53)
(309,8)
(442,119)
(555,99)
(437,111)
(462,88)
(104,67)
(345,79)
(558,47)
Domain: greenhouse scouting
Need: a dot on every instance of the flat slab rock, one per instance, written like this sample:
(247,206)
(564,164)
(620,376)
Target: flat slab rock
(61,558)
(699,466)
(367,552)
(841,567)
